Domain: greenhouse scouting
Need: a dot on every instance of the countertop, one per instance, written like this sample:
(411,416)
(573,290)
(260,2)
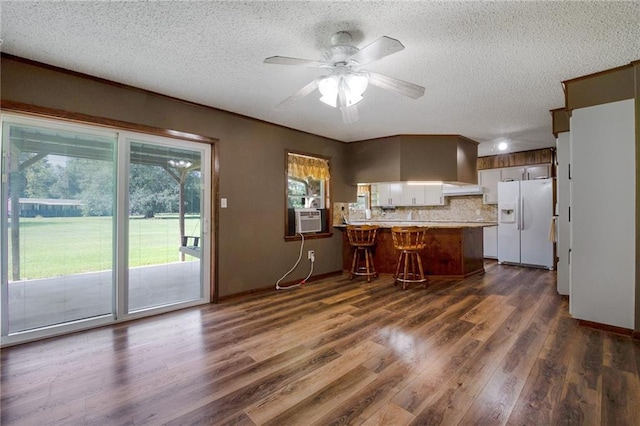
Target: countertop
(441,224)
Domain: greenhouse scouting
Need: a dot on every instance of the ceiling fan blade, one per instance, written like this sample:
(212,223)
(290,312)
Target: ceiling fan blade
(349,114)
(284,60)
(288,103)
(394,85)
(380,48)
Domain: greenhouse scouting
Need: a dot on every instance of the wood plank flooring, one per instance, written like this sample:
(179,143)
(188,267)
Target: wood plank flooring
(498,348)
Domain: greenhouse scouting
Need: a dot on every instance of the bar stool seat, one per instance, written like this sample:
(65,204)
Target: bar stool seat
(362,238)
(409,241)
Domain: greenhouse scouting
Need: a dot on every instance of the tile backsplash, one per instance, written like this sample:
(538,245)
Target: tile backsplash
(468,208)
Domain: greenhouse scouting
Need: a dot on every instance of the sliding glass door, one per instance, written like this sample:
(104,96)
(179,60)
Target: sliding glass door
(165,224)
(98,226)
(57,224)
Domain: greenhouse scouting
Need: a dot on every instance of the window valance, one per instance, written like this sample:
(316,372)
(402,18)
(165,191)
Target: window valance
(302,167)
(363,189)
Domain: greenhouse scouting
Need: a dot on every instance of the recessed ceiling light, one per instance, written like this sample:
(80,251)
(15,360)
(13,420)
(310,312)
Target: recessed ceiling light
(502,146)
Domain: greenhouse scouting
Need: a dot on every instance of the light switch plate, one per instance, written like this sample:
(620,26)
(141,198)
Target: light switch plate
(223,203)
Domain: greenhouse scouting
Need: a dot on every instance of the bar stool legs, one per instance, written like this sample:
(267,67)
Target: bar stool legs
(406,272)
(362,238)
(363,255)
(409,241)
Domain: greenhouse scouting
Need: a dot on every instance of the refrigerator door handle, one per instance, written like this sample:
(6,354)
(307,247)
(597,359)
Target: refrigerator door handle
(522,212)
(518,213)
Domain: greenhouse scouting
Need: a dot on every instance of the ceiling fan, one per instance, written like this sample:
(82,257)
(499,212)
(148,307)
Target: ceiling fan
(346,82)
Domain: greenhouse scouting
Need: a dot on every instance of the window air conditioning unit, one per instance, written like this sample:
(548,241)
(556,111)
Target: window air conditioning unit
(308,220)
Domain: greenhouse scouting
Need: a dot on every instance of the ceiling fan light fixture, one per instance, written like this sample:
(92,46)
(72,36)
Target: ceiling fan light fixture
(328,87)
(180,164)
(354,85)
(346,83)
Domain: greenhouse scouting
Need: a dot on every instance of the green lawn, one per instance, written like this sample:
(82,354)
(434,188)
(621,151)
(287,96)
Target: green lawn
(60,246)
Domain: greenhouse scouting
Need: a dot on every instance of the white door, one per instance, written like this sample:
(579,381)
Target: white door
(509,222)
(564,188)
(535,217)
(603,214)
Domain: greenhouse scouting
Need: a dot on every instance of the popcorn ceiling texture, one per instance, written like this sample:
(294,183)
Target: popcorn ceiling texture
(467,208)
(492,70)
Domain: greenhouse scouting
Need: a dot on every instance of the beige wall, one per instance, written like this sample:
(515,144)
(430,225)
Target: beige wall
(250,236)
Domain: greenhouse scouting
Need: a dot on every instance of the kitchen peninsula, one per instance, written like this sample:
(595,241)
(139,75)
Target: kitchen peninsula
(453,249)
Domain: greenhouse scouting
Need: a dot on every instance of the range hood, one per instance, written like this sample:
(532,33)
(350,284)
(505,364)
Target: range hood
(414,158)
(449,190)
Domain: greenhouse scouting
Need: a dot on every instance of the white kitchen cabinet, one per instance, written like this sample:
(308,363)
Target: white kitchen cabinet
(542,171)
(389,193)
(422,195)
(489,180)
(433,195)
(413,195)
(403,194)
(490,242)
(513,173)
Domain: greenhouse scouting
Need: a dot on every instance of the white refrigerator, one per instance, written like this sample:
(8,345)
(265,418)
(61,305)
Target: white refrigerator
(525,213)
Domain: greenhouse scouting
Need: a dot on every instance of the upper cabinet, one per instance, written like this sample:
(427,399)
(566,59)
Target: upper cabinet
(386,194)
(538,172)
(412,195)
(525,165)
(489,180)
(403,194)
(512,173)
(433,195)
(541,171)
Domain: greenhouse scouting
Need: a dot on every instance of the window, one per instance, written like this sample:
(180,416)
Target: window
(307,186)
(364,198)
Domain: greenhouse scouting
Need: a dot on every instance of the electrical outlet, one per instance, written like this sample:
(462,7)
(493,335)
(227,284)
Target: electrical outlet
(311,255)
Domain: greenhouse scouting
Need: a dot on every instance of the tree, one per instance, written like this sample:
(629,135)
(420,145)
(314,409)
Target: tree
(151,190)
(40,178)
(95,182)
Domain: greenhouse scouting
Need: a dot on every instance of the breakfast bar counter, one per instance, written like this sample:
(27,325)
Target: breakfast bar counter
(453,249)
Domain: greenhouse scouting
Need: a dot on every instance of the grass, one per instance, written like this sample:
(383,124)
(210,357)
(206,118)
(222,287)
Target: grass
(61,246)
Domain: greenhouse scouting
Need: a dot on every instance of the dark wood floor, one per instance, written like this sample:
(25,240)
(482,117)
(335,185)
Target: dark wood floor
(498,348)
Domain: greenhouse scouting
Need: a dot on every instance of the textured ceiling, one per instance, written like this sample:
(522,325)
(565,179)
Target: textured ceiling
(492,70)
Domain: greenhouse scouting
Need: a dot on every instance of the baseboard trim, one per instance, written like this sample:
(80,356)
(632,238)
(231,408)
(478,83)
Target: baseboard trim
(609,328)
(271,288)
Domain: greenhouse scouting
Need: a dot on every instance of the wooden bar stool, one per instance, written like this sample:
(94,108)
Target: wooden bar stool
(362,238)
(409,240)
